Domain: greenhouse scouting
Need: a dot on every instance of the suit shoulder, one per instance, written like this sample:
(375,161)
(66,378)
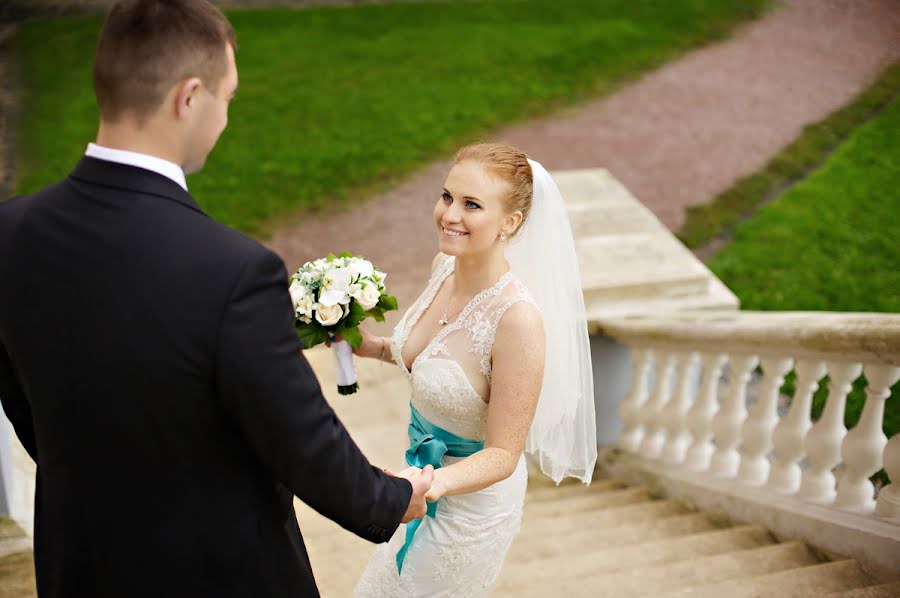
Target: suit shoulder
(12,206)
(231,244)
(19,202)
(13,209)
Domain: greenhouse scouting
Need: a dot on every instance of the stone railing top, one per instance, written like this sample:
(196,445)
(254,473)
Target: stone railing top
(631,263)
(847,336)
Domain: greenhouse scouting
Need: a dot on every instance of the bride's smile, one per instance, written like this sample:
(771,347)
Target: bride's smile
(454,233)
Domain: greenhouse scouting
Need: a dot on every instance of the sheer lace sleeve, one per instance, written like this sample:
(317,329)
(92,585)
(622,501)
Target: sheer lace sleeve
(483,330)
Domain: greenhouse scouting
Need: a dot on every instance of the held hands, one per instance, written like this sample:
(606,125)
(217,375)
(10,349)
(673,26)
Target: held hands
(421,480)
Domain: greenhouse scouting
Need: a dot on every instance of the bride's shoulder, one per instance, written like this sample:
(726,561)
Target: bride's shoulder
(521,325)
(517,292)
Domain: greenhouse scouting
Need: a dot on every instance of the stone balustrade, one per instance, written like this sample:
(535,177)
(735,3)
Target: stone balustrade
(679,413)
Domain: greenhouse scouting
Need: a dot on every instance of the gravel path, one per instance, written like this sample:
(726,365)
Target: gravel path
(676,137)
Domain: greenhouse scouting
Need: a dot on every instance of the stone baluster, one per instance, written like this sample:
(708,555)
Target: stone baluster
(761,420)
(888,504)
(792,429)
(701,414)
(863,446)
(632,408)
(675,413)
(823,442)
(652,443)
(728,421)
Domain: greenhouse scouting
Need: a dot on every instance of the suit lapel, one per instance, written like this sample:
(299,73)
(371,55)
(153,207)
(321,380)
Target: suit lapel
(132,179)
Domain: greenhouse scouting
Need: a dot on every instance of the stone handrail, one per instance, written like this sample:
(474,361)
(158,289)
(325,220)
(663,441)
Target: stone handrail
(677,421)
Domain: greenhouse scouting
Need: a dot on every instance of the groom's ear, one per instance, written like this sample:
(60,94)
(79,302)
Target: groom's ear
(186,96)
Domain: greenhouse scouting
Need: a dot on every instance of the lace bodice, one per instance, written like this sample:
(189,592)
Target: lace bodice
(451,376)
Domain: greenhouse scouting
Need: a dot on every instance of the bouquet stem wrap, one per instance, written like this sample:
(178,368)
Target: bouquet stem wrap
(346,372)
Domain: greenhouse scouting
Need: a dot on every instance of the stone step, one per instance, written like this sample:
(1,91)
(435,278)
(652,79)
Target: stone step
(608,518)
(13,545)
(537,546)
(572,504)
(885,590)
(522,574)
(539,491)
(338,573)
(804,582)
(638,581)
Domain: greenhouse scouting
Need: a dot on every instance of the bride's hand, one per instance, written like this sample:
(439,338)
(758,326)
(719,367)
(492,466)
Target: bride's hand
(371,345)
(437,489)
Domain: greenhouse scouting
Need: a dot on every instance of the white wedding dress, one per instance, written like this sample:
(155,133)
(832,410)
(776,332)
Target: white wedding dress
(460,551)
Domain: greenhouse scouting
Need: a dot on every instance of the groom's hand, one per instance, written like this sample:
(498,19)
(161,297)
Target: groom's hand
(421,484)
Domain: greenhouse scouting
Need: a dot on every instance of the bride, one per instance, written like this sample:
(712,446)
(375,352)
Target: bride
(496,350)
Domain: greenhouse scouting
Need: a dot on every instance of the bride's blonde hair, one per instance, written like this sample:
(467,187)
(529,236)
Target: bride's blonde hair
(509,164)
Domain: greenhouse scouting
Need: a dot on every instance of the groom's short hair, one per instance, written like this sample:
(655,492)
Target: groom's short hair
(147,46)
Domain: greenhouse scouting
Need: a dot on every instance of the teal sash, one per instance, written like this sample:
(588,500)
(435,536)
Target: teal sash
(427,446)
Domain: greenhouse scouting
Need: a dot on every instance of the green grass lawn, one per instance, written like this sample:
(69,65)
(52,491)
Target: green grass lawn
(337,102)
(704,222)
(832,242)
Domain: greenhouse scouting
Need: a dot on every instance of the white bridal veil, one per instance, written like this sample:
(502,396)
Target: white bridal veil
(563,436)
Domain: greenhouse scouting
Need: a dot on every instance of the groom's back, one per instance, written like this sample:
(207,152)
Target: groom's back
(111,303)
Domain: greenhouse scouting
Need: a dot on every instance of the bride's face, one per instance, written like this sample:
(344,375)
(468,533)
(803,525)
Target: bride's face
(471,212)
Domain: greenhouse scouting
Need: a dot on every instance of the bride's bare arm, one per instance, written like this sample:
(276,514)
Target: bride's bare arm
(518,371)
(376,347)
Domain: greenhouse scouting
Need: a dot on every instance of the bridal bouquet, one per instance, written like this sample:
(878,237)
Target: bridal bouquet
(331,296)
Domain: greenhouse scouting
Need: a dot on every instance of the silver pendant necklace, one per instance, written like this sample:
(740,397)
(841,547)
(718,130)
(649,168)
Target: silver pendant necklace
(444,320)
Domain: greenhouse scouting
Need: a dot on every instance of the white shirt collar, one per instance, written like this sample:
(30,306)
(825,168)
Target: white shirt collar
(158,165)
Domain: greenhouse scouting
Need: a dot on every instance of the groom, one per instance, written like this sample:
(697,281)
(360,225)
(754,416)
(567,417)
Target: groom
(148,360)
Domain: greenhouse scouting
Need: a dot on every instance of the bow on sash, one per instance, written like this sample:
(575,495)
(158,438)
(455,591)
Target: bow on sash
(427,446)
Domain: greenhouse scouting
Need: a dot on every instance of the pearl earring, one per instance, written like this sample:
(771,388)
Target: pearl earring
(502,236)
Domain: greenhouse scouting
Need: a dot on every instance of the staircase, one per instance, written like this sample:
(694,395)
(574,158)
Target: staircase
(611,540)
(608,539)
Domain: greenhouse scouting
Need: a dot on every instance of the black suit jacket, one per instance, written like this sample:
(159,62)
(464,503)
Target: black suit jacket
(149,365)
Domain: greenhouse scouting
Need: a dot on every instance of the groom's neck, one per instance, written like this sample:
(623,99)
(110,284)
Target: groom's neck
(144,138)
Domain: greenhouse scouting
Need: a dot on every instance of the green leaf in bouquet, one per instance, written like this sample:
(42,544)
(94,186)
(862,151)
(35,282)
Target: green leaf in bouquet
(376,313)
(387,302)
(355,317)
(351,335)
(346,254)
(311,334)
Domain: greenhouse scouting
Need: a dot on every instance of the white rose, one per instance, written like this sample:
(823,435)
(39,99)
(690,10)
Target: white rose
(360,268)
(369,297)
(297,291)
(335,287)
(329,315)
(355,290)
